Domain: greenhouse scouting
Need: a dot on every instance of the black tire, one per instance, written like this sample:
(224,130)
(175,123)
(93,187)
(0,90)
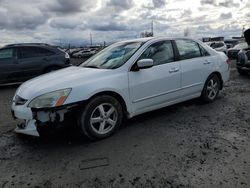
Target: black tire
(79,56)
(242,72)
(205,95)
(51,69)
(91,109)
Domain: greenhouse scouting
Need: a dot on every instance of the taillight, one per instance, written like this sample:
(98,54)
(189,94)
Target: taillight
(228,61)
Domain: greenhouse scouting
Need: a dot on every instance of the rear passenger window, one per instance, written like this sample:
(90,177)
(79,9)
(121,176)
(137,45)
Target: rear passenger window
(6,53)
(188,49)
(43,52)
(203,51)
(29,52)
(160,52)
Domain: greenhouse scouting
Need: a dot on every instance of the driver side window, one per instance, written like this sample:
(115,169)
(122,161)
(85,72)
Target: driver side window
(160,52)
(6,53)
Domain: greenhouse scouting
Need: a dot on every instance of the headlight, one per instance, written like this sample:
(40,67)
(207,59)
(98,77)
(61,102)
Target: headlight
(53,99)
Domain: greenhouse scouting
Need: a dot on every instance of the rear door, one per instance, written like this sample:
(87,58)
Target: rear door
(8,65)
(196,65)
(33,60)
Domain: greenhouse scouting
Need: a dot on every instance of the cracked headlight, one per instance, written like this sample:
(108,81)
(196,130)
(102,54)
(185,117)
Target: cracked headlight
(52,99)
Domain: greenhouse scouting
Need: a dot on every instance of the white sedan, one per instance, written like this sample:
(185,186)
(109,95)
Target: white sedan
(125,79)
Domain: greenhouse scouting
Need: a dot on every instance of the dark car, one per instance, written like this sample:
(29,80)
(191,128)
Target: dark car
(20,62)
(243,60)
(233,52)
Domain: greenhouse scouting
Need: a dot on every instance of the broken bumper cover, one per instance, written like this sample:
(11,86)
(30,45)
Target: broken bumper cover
(36,122)
(28,125)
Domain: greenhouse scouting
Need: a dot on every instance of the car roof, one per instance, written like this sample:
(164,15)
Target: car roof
(156,39)
(42,45)
(27,44)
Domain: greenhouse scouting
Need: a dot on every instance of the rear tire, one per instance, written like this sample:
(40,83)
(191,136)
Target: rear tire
(242,72)
(211,89)
(101,117)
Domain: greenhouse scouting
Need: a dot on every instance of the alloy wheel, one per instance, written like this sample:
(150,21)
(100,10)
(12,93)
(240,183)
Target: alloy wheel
(103,118)
(212,88)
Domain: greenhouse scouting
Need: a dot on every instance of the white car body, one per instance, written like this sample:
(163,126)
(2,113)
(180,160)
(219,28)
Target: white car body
(142,91)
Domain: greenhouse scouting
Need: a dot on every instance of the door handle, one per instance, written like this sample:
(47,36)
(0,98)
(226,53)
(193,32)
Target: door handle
(175,69)
(207,62)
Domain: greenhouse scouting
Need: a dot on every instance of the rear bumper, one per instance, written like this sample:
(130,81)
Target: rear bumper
(225,77)
(243,65)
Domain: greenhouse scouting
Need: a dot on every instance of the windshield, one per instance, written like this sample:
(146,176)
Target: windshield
(241,46)
(113,56)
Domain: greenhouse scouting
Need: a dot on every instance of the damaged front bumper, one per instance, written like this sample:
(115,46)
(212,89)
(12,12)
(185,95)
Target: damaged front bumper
(38,122)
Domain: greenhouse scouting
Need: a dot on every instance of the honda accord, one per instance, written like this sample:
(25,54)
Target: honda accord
(123,80)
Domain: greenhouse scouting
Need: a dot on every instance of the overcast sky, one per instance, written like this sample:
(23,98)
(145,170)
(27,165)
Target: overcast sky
(66,21)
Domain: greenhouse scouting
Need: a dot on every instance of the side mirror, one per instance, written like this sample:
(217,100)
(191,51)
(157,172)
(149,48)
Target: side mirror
(145,63)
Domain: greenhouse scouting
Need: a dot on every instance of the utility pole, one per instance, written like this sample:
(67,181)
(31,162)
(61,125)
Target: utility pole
(243,29)
(90,38)
(152,28)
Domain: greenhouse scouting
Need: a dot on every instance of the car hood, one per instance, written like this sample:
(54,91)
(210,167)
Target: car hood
(65,78)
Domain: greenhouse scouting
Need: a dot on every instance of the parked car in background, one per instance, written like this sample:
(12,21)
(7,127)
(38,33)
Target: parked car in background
(230,43)
(218,46)
(233,52)
(72,51)
(20,62)
(243,62)
(243,59)
(85,53)
(123,80)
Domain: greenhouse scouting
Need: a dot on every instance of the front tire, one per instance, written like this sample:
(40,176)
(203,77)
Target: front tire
(211,89)
(101,117)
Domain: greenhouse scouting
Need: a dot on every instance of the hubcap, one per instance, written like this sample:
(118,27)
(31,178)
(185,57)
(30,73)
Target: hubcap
(104,118)
(212,88)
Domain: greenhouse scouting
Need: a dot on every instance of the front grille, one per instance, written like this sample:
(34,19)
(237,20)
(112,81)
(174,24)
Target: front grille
(19,100)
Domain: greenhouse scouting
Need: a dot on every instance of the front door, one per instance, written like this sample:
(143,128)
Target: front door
(156,86)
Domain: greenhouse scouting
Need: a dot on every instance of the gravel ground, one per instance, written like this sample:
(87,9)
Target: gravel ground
(186,145)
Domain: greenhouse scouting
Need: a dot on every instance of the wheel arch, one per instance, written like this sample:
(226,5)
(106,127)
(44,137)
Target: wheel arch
(219,76)
(116,96)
